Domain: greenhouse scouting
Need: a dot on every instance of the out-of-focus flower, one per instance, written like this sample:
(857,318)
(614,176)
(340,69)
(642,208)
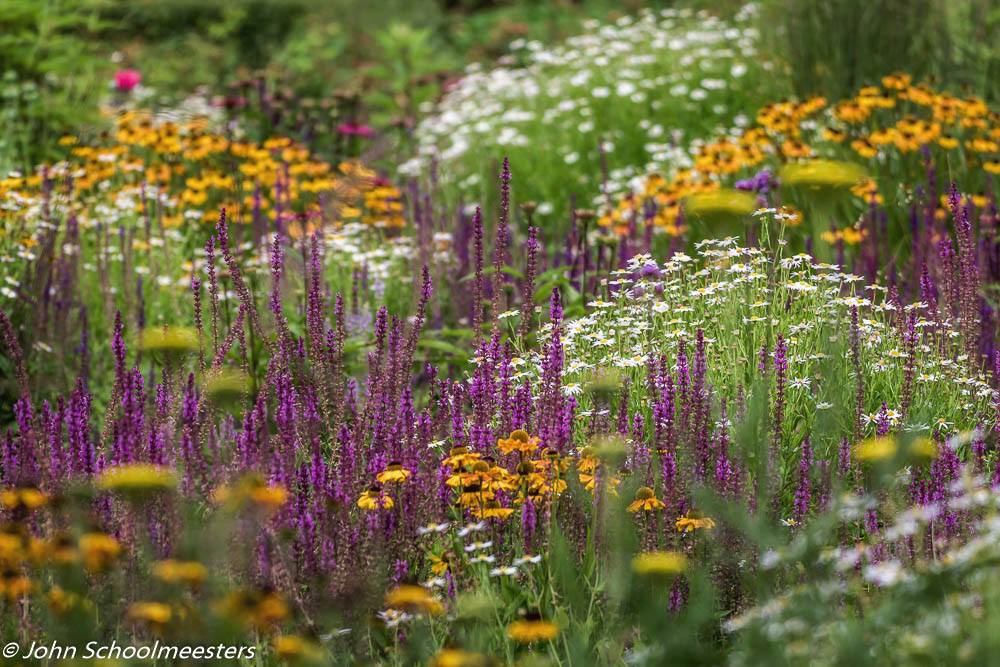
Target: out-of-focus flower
(251,490)
(127,79)
(226,386)
(356,130)
(154,614)
(257,608)
(98,551)
(659,564)
(137,479)
(692,522)
(720,205)
(413,599)
(293,648)
(762,182)
(26,498)
(171,571)
(822,174)
(532,629)
(874,450)
(455,657)
(169,344)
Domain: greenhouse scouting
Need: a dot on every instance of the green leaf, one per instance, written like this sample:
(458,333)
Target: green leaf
(442,346)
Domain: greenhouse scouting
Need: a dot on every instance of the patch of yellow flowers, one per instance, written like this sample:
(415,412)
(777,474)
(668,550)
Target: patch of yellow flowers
(897,117)
(178,173)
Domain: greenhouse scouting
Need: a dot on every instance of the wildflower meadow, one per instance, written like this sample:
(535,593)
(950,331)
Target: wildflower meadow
(470,334)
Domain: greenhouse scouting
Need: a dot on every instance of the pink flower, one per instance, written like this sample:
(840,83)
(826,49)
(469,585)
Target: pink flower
(127,79)
(352,129)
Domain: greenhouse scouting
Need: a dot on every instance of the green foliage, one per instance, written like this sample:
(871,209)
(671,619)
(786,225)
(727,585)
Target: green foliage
(225,35)
(51,73)
(832,47)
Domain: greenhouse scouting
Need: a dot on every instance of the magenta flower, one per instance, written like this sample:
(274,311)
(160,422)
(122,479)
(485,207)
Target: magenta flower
(355,130)
(127,79)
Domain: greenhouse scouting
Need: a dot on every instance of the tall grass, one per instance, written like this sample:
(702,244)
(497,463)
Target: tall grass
(835,46)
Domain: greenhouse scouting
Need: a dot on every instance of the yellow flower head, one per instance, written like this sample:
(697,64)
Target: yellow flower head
(440,564)
(924,448)
(154,614)
(226,386)
(60,548)
(61,601)
(456,657)
(519,441)
(874,450)
(493,510)
(645,501)
(98,551)
(172,571)
(532,629)
(394,473)
(720,205)
(257,608)
(137,478)
(251,490)
(692,521)
(14,585)
(169,344)
(12,550)
(659,564)
(295,649)
(896,81)
(822,175)
(22,498)
(373,499)
(413,599)
(459,457)
(473,495)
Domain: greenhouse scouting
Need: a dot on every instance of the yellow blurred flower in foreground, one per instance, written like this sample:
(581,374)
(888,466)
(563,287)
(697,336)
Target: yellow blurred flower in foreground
(137,478)
(456,657)
(876,449)
(154,614)
(26,498)
(658,564)
(177,571)
(532,629)
(98,551)
(413,599)
(296,649)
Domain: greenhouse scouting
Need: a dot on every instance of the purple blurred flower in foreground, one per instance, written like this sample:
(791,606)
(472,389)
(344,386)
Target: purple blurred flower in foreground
(762,182)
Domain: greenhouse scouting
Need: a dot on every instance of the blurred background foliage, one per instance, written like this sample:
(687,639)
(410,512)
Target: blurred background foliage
(376,61)
(834,47)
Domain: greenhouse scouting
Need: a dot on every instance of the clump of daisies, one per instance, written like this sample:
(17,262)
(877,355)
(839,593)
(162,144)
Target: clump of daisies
(928,588)
(805,333)
(596,111)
